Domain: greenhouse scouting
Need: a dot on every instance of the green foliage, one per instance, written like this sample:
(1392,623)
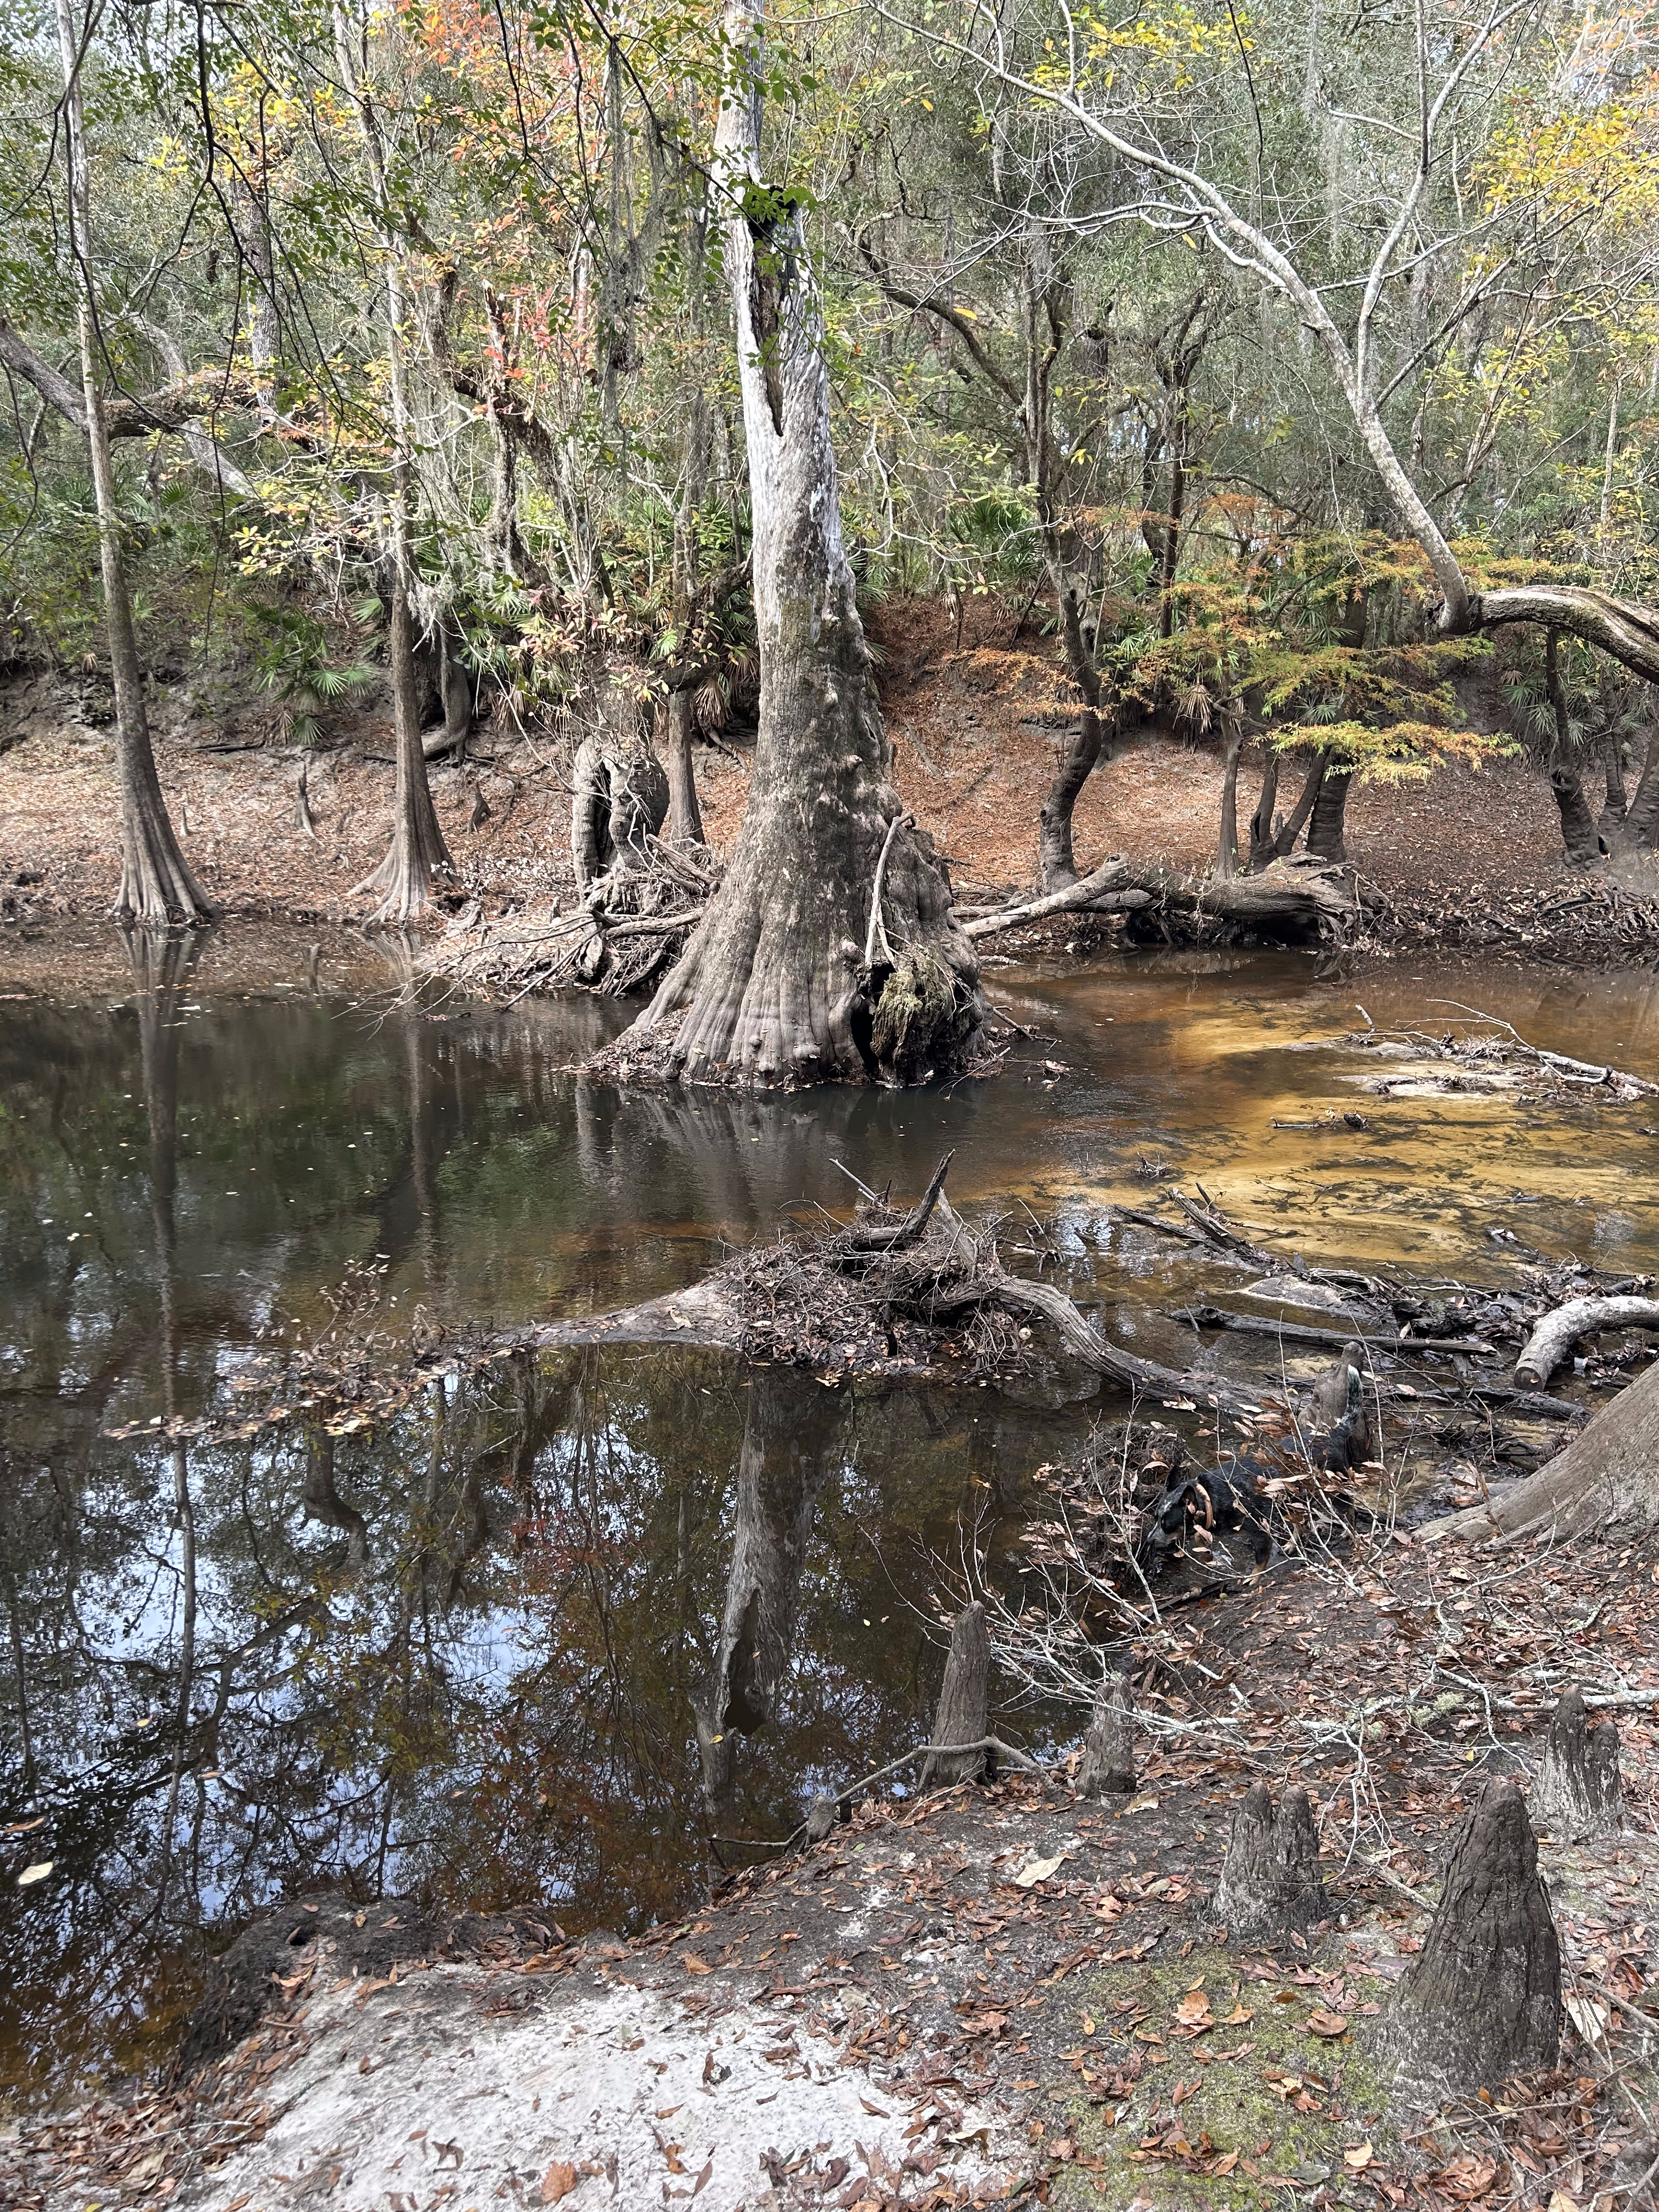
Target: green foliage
(293,661)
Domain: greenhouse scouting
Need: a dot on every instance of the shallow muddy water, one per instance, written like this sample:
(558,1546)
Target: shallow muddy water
(461,1654)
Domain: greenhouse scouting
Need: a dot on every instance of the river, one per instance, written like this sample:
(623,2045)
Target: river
(459,1654)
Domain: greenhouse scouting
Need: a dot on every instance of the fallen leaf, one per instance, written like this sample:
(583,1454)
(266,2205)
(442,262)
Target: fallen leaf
(1193,2011)
(1238,2015)
(558,2181)
(1330,2024)
(1589,2018)
(1359,2158)
(1038,1871)
(1226,2162)
(694,1964)
(37,1872)
(1560,2202)
(876,2109)
(701,2181)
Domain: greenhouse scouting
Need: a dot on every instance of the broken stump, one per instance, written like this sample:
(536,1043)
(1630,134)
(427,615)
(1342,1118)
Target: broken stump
(1482,1999)
(1109,1749)
(965,1701)
(1270,1879)
(1578,1794)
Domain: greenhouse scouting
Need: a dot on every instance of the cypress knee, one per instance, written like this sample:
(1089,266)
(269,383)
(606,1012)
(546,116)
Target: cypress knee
(1109,1754)
(1482,1999)
(965,1701)
(1270,1880)
(1578,1794)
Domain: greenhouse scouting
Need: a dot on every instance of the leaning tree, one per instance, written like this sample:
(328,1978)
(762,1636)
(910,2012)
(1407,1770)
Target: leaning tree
(831,952)
(1204,151)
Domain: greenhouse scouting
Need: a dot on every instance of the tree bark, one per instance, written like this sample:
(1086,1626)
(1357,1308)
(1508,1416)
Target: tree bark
(1482,1999)
(773,988)
(1580,839)
(1607,1476)
(1226,860)
(1271,840)
(1270,1879)
(1578,1793)
(157,887)
(1326,838)
(685,815)
(963,1713)
(1617,804)
(1550,1346)
(417,851)
(1109,1754)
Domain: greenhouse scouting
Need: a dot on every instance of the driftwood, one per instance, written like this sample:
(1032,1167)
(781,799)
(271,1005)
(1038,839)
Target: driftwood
(1481,2000)
(964,1703)
(1270,1879)
(1578,1793)
(1297,1332)
(1109,1757)
(1302,896)
(1550,1346)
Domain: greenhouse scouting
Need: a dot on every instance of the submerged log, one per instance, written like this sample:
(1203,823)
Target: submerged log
(965,1702)
(1270,1880)
(1578,1793)
(1109,1750)
(1550,1346)
(1482,1999)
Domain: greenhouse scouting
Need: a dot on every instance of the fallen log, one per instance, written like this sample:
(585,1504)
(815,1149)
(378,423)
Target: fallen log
(1300,895)
(1550,1346)
(1297,1332)
(1113,875)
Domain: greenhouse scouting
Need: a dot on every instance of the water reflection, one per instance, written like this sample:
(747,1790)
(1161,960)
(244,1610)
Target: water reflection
(477,1654)
(556,1628)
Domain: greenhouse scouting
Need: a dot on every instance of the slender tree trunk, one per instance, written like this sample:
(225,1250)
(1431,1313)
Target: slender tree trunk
(157,886)
(1617,804)
(804,968)
(1642,816)
(685,815)
(1056,858)
(1261,821)
(1579,837)
(1326,829)
(417,851)
(1226,859)
(250,208)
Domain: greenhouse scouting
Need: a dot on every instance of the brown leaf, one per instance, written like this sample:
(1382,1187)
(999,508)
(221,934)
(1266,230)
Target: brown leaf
(694,1964)
(1193,2011)
(876,2109)
(1330,2024)
(701,2181)
(558,2181)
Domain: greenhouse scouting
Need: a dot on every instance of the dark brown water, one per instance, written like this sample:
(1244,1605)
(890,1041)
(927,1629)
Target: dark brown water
(463,1658)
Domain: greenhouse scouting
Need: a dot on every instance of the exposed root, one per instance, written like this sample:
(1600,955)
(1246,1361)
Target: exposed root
(630,922)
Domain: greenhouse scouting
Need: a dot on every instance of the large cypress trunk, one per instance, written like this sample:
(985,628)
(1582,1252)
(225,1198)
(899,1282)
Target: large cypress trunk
(157,886)
(831,952)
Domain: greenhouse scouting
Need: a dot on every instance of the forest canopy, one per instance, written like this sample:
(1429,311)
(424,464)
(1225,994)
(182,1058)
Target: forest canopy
(1286,363)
